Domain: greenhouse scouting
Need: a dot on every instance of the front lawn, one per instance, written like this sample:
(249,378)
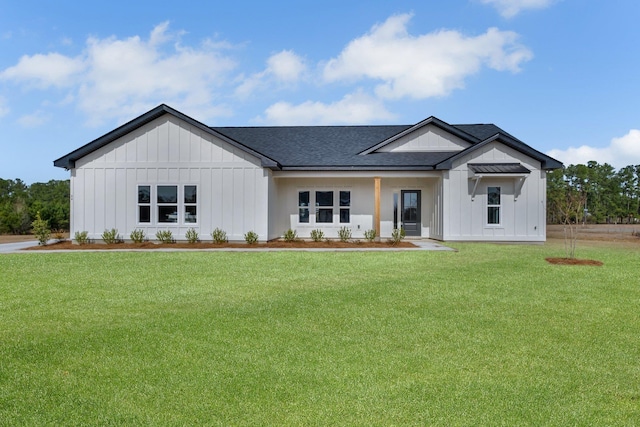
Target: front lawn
(489,335)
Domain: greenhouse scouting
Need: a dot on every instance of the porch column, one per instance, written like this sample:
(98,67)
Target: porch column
(376,206)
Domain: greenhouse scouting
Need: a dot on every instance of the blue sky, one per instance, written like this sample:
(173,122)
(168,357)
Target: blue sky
(561,75)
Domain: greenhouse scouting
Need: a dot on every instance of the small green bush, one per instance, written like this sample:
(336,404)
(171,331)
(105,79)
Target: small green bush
(344,234)
(251,237)
(165,236)
(317,235)
(219,236)
(370,235)
(290,235)
(192,236)
(81,237)
(111,236)
(138,236)
(41,230)
(397,235)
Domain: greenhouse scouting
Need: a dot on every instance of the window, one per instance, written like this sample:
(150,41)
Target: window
(144,203)
(190,207)
(167,203)
(171,204)
(324,206)
(345,204)
(493,205)
(303,206)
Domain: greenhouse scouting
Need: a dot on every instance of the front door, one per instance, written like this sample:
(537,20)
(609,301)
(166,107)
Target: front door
(411,212)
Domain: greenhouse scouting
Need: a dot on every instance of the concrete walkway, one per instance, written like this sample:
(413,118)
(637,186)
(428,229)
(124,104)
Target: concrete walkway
(421,245)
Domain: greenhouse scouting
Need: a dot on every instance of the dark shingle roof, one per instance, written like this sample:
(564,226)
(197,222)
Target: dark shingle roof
(337,147)
(327,147)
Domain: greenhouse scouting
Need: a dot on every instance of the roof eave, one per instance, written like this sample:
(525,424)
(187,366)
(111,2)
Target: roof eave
(428,121)
(358,168)
(546,162)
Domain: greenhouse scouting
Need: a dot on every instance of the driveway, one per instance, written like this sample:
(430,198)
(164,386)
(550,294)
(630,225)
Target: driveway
(6,248)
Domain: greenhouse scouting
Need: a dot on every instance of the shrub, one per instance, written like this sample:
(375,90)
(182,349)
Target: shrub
(59,235)
(344,234)
(290,235)
(251,237)
(219,236)
(370,235)
(396,236)
(111,236)
(40,229)
(317,235)
(81,237)
(138,236)
(192,236)
(165,236)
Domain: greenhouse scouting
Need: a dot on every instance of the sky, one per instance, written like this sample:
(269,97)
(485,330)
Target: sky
(561,75)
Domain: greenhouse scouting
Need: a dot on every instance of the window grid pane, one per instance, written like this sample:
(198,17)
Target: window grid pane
(190,214)
(345,215)
(144,194)
(144,213)
(493,215)
(324,215)
(167,194)
(190,194)
(345,198)
(168,213)
(324,198)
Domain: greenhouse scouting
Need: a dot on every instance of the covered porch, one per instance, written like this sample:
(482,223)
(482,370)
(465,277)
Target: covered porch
(360,201)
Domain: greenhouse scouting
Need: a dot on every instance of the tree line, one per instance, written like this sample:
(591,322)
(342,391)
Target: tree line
(594,193)
(20,203)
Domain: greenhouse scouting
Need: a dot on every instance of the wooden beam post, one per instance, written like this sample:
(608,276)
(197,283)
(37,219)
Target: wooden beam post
(376,206)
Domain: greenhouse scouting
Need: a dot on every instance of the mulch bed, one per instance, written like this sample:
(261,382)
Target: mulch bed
(278,244)
(573,261)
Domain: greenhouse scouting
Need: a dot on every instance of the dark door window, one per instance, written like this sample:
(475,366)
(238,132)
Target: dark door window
(411,212)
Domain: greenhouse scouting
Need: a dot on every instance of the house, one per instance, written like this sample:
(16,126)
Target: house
(167,171)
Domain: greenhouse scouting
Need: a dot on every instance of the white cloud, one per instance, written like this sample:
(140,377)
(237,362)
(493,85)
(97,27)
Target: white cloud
(356,108)
(619,153)
(4,109)
(44,71)
(284,68)
(121,78)
(138,74)
(423,66)
(35,119)
(510,8)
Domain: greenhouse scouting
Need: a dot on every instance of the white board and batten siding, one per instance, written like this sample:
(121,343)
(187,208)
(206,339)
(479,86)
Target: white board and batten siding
(427,138)
(232,187)
(522,210)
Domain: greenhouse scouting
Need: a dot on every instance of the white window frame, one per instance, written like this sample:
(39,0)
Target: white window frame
(491,206)
(181,205)
(342,207)
(325,207)
(186,204)
(149,204)
(313,206)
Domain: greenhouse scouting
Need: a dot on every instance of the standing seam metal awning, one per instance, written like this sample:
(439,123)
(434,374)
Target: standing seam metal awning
(477,171)
(498,168)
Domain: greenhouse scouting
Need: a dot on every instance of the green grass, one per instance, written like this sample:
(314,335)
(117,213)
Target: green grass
(490,335)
